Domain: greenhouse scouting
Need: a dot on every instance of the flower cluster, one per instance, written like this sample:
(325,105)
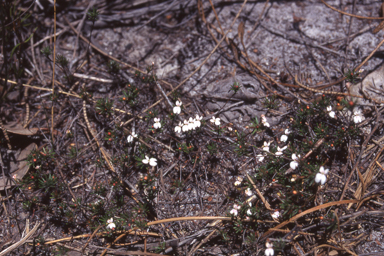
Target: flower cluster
(189,125)
(151,161)
(235,209)
(264,121)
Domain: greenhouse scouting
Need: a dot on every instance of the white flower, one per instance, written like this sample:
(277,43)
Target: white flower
(276,215)
(269,251)
(151,161)
(230,129)
(283,138)
(321,176)
(198,121)
(260,158)
(294,163)
(178,128)
(331,113)
(215,121)
(177,108)
(131,137)
(238,181)
(191,124)
(157,124)
(249,212)
(185,126)
(248,192)
(250,204)
(233,212)
(357,116)
(111,225)
(264,121)
(236,206)
(287,131)
(266,146)
(280,150)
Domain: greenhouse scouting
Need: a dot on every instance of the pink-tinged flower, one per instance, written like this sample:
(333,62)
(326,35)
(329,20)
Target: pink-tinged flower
(269,251)
(177,108)
(234,212)
(276,215)
(248,192)
(295,162)
(321,175)
(236,206)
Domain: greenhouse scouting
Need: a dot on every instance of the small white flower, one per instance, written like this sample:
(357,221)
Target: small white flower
(331,113)
(233,212)
(215,121)
(131,137)
(230,129)
(14,176)
(153,161)
(250,204)
(321,176)
(177,108)
(198,121)
(238,181)
(185,126)
(157,124)
(236,206)
(269,251)
(357,116)
(146,160)
(191,124)
(283,138)
(287,131)
(280,150)
(248,192)
(266,146)
(260,158)
(249,212)
(111,225)
(264,121)
(295,162)
(178,128)
(276,215)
